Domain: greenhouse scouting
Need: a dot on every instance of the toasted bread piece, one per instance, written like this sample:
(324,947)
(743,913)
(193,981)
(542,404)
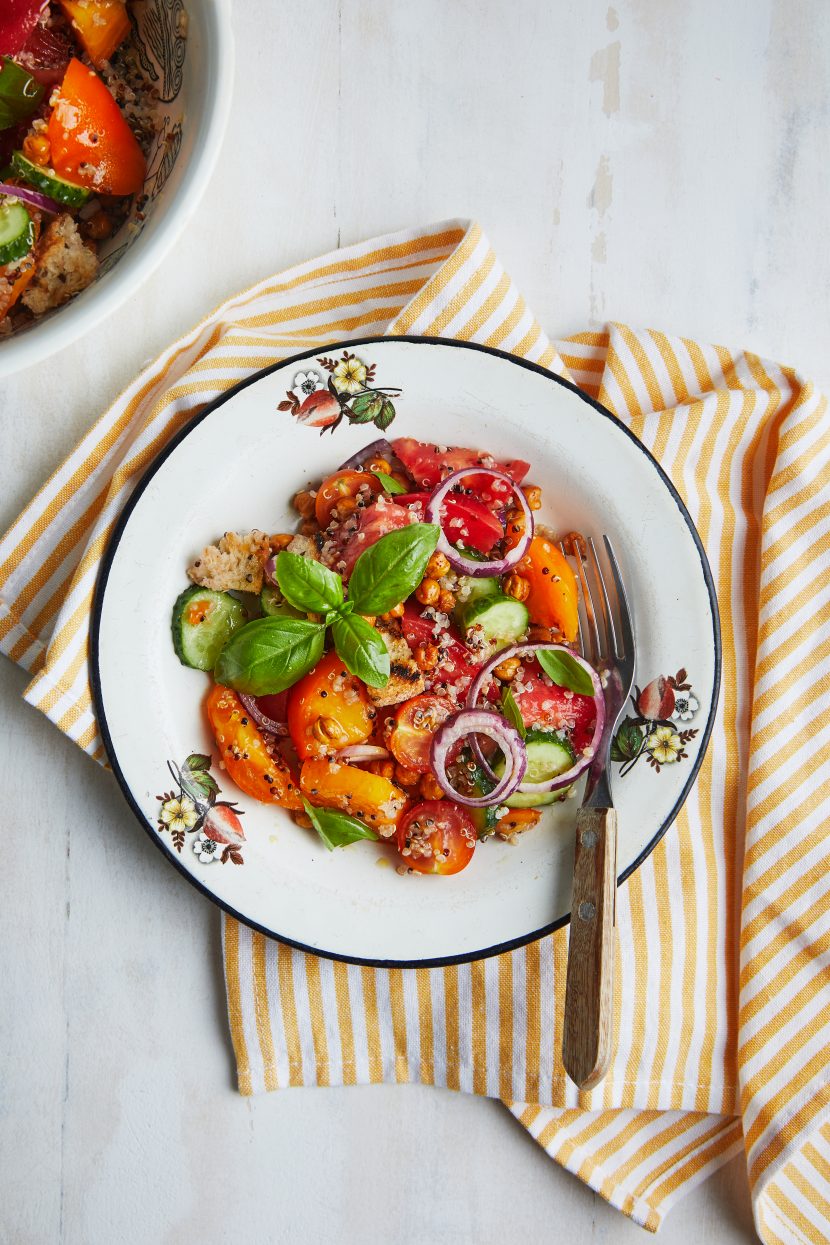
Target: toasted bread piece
(233,564)
(64,265)
(405,679)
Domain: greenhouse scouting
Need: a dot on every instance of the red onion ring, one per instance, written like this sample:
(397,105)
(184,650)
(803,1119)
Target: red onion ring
(468,722)
(456,559)
(571,775)
(262,720)
(362,752)
(269,570)
(378,449)
(33,197)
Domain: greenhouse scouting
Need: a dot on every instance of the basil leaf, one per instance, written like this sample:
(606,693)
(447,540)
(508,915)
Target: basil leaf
(361,649)
(269,655)
(308,585)
(387,572)
(564,670)
(389,485)
(511,710)
(20,93)
(337,829)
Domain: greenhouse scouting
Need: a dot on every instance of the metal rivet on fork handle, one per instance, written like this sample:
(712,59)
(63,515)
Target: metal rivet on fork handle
(586,911)
(588,838)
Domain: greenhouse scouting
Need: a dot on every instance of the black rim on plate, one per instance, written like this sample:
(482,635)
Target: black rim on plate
(112,549)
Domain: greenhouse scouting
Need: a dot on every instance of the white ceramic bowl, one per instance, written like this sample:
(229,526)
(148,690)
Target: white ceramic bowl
(195,79)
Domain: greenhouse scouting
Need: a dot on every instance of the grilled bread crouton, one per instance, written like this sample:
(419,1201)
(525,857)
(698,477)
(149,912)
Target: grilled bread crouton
(64,265)
(304,547)
(405,679)
(233,564)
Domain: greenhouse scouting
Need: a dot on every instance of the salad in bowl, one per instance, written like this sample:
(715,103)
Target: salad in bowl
(404,666)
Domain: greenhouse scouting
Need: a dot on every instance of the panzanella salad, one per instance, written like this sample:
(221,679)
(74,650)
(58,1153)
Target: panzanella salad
(75,122)
(401,668)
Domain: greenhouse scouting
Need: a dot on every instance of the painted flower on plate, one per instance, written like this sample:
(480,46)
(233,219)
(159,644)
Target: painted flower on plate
(207,850)
(665,745)
(179,814)
(306,383)
(349,375)
(686,705)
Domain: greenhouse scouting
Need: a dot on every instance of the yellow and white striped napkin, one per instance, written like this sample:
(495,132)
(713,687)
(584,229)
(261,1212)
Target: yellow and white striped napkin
(723,1006)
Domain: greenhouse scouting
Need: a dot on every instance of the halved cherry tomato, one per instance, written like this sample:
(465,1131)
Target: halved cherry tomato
(342,486)
(101,25)
(374,799)
(465,520)
(331,693)
(250,758)
(429,464)
(416,722)
(553,600)
(549,707)
(375,521)
(437,836)
(517,820)
(91,143)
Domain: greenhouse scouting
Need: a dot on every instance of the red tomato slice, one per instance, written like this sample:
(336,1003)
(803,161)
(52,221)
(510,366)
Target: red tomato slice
(416,722)
(18,19)
(465,520)
(546,706)
(457,662)
(375,521)
(437,836)
(429,464)
(92,145)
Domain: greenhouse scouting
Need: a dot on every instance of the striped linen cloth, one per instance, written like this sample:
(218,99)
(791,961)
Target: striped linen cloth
(723,1005)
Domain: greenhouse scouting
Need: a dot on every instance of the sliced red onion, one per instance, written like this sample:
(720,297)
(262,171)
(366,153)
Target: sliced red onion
(467,565)
(363,752)
(269,570)
(457,729)
(582,763)
(378,449)
(262,720)
(32,197)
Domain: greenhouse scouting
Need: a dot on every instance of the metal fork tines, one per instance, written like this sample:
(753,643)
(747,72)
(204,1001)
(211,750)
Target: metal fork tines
(606,640)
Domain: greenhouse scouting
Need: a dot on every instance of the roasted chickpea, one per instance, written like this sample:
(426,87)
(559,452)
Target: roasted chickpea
(517,586)
(301,819)
(507,670)
(426,656)
(345,507)
(438,565)
(98,227)
(446,601)
(395,612)
(384,768)
(37,148)
(533,497)
(309,527)
(430,788)
(304,502)
(406,777)
(279,542)
(328,731)
(428,591)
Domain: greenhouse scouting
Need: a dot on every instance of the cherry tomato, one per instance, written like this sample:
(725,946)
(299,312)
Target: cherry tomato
(92,145)
(101,25)
(552,600)
(328,693)
(375,521)
(437,836)
(429,464)
(343,486)
(373,798)
(465,520)
(250,758)
(416,722)
(549,707)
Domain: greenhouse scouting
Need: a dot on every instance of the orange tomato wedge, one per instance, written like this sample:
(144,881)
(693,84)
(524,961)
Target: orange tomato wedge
(91,143)
(329,692)
(101,25)
(251,760)
(552,601)
(374,799)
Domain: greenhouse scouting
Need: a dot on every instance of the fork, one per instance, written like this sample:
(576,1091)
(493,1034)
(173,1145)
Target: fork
(606,639)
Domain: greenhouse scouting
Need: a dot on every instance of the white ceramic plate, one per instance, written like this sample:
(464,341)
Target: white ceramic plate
(235,467)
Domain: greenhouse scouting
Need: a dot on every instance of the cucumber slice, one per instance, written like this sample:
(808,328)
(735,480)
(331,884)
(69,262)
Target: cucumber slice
(203,621)
(501,618)
(273,605)
(547,756)
(48,182)
(17,231)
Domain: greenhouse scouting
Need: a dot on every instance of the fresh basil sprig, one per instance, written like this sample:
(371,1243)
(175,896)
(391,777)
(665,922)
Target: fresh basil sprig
(564,670)
(386,572)
(511,710)
(269,655)
(361,649)
(337,829)
(308,585)
(390,485)
(20,93)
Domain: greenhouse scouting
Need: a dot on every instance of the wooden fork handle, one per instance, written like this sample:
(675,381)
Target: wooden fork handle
(588,1036)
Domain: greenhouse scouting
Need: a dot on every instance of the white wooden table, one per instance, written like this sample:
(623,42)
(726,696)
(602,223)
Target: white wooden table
(653,163)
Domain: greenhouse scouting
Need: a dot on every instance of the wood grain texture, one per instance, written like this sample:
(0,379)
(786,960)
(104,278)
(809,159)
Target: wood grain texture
(588,1039)
(588,140)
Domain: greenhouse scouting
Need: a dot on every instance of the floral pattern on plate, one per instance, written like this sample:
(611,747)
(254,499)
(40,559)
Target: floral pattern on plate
(655,730)
(348,392)
(192,808)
